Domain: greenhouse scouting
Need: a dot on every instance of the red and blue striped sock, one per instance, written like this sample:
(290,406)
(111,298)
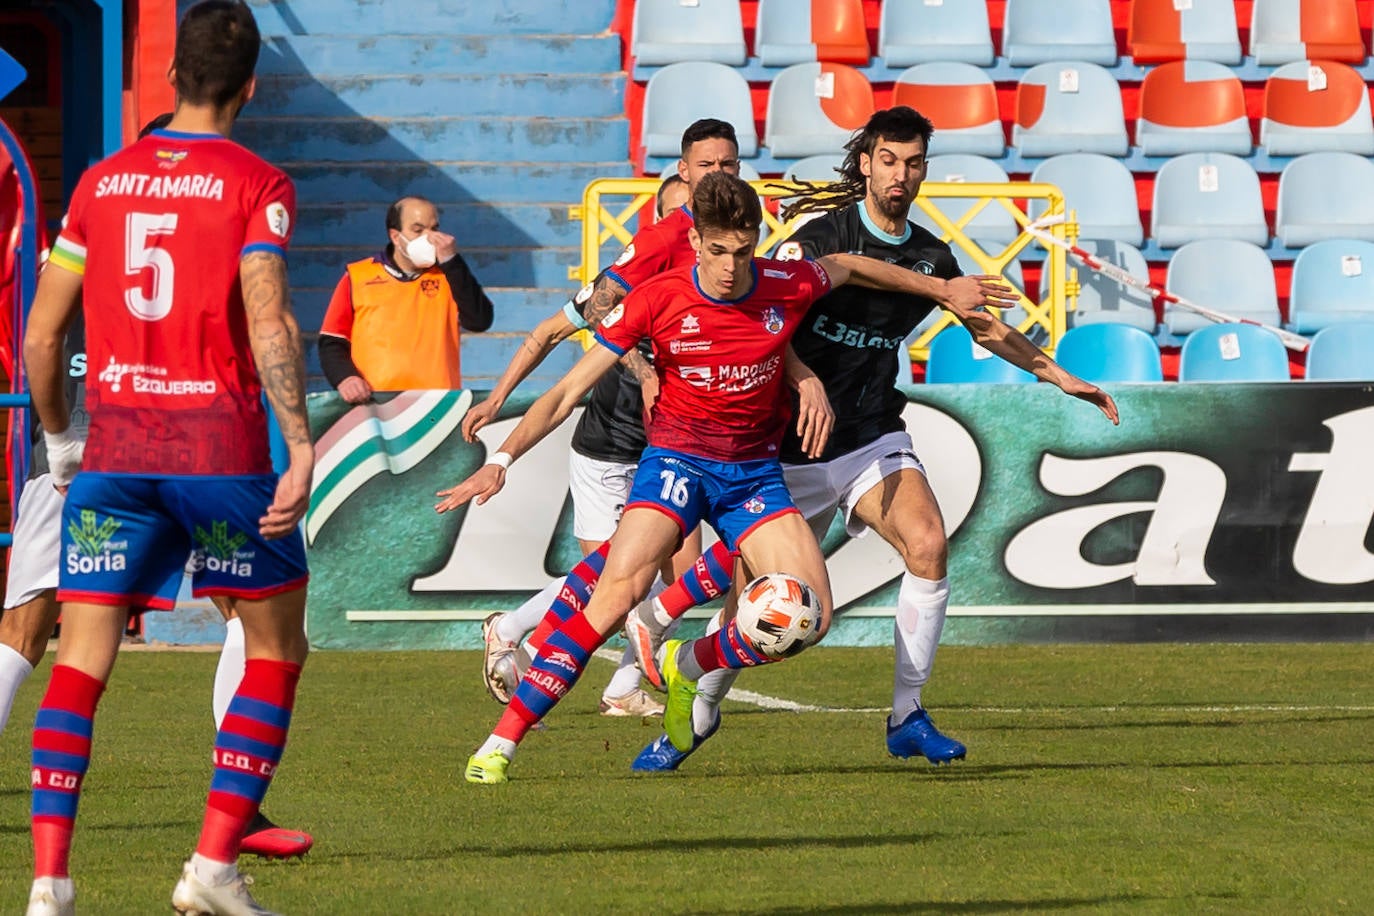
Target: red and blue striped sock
(708,578)
(61,754)
(725,648)
(247,749)
(573,596)
(554,671)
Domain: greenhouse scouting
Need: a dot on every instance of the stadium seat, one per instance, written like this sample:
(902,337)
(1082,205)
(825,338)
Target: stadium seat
(1233,353)
(960,100)
(814,168)
(801,31)
(1236,278)
(993,222)
(1325,196)
(1068,107)
(1102,299)
(1333,283)
(969,267)
(1316,106)
(1342,354)
(1282,31)
(1040,31)
(670,32)
(1100,190)
(679,94)
(813,109)
(1190,106)
(955,359)
(1160,31)
(1107,352)
(1207,196)
(919,33)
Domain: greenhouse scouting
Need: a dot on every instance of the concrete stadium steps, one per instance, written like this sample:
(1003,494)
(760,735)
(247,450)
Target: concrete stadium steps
(542,224)
(504,182)
(283,140)
(423,95)
(442,17)
(350,55)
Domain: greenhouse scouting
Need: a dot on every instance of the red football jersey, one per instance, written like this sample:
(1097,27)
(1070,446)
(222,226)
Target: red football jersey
(720,363)
(158,230)
(655,249)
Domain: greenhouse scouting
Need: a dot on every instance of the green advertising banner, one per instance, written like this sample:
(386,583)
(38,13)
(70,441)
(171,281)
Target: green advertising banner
(1222,505)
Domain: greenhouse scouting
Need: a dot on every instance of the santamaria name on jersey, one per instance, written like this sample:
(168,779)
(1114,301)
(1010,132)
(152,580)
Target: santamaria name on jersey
(161,186)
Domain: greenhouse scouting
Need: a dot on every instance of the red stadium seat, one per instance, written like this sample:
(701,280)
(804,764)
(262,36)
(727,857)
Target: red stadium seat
(960,100)
(1192,106)
(813,108)
(800,31)
(1206,30)
(1282,31)
(1303,115)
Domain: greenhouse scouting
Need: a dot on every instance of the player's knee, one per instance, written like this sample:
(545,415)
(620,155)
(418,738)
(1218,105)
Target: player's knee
(27,627)
(925,550)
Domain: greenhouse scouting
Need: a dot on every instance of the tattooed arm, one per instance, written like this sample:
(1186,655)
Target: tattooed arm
(276,341)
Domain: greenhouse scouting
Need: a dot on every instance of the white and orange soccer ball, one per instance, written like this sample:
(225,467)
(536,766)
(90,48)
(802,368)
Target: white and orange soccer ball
(779,615)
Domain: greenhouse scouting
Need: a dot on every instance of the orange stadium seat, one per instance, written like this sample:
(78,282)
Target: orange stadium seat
(1204,30)
(1282,31)
(1311,106)
(1189,106)
(813,108)
(799,31)
(960,100)
(1069,108)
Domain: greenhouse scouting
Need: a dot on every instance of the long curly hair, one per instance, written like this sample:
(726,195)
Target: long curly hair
(901,124)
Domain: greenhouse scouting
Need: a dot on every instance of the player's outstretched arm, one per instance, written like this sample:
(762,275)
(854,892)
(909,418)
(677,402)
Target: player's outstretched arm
(55,306)
(815,416)
(544,416)
(275,339)
(959,295)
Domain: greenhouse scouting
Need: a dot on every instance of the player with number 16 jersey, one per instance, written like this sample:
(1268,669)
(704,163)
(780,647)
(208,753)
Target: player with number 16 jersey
(172,388)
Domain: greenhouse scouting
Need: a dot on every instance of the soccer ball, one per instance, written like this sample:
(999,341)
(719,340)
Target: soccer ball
(779,615)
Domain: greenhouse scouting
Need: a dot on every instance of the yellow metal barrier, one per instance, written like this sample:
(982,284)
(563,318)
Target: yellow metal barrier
(601,224)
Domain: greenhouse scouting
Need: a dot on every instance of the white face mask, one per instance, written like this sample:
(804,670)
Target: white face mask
(421,251)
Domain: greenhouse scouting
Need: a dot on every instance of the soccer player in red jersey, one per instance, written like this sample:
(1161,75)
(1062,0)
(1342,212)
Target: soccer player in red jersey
(719,332)
(174,249)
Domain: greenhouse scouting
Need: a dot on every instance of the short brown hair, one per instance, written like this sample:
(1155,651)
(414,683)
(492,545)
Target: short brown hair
(726,203)
(217,49)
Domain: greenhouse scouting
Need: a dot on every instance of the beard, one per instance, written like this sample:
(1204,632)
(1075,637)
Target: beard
(892,207)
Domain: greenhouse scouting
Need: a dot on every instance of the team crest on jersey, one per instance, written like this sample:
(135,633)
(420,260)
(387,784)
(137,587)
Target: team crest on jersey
(789,251)
(278,220)
(923,267)
(429,286)
(170,158)
(754,505)
(613,315)
(772,320)
(626,256)
(690,325)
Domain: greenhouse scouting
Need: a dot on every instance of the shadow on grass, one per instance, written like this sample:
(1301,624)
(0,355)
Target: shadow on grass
(1258,718)
(972,906)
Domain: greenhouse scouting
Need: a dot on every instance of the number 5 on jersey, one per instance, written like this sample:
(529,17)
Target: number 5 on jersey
(141,251)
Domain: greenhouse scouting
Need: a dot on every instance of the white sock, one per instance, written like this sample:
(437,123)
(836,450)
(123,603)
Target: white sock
(229,672)
(626,677)
(14,670)
(493,743)
(212,872)
(519,623)
(711,689)
(920,618)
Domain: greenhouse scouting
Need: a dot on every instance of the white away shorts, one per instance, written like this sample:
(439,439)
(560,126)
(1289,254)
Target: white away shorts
(819,489)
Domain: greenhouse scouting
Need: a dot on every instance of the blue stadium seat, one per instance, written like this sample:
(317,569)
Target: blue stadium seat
(919,33)
(960,100)
(1342,353)
(814,168)
(1107,352)
(1068,107)
(1325,196)
(1207,196)
(993,222)
(1287,30)
(955,358)
(1192,106)
(1099,189)
(1233,277)
(813,109)
(1233,353)
(1333,283)
(1039,31)
(670,32)
(679,94)
(1306,116)
(1102,299)
(800,31)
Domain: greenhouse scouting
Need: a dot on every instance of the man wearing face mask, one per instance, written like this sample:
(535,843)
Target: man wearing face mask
(393,321)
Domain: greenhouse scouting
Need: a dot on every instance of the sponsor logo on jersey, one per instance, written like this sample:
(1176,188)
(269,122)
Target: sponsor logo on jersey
(689,346)
(219,551)
(777,274)
(613,315)
(161,187)
(626,256)
(731,378)
(857,336)
(789,251)
(754,505)
(690,325)
(429,286)
(92,548)
(923,267)
(772,320)
(696,376)
(152,380)
(278,220)
(170,158)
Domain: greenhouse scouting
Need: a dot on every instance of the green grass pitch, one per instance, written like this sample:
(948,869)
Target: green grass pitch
(1135,779)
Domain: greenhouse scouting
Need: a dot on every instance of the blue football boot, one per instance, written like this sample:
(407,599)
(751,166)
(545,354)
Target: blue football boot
(917,735)
(661,757)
